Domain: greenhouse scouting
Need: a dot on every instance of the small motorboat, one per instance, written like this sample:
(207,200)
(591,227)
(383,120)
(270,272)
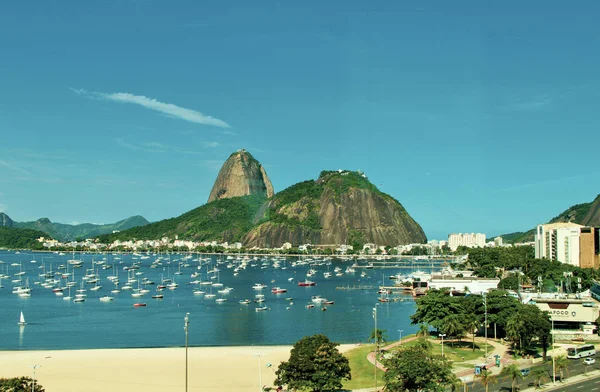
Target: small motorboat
(158,296)
(138,304)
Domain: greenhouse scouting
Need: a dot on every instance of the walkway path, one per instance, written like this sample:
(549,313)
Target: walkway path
(498,349)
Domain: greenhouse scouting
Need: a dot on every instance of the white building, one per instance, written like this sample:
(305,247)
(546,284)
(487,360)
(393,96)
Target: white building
(470,240)
(558,241)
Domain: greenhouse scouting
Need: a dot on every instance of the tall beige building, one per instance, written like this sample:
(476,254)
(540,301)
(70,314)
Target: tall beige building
(569,243)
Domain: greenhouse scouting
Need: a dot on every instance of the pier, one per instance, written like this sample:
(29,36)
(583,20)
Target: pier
(355,287)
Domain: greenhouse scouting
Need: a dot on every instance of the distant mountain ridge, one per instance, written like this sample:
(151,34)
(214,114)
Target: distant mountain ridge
(587,214)
(67,232)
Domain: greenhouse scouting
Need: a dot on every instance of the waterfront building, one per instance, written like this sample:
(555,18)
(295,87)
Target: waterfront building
(470,240)
(573,314)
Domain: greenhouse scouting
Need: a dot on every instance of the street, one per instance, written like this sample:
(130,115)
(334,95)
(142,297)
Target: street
(576,367)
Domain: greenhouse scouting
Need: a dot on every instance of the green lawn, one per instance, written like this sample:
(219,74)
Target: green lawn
(457,351)
(363,372)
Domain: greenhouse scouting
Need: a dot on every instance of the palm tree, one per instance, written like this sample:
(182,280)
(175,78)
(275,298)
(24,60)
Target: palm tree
(423,331)
(514,373)
(453,326)
(540,375)
(378,335)
(514,327)
(456,385)
(471,324)
(486,378)
(561,363)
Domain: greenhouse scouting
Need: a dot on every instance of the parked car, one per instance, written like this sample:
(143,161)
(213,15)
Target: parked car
(525,372)
(589,361)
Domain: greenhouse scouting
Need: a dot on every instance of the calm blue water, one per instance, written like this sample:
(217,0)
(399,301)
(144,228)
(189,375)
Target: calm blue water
(53,323)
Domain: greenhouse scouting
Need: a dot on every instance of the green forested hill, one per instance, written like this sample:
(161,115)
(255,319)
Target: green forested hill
(587,214)
(13,238)
(223,220)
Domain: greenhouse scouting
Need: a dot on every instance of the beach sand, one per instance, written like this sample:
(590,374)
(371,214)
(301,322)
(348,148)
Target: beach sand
(227,369)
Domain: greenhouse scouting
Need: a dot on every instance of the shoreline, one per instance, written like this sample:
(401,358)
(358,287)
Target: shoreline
(223,368)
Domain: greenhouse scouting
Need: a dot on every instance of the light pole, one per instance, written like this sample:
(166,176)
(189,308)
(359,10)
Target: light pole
(442,335)
(259,373)
(553,355)
(485,326)
(376,342)
(186,323)
(400,341)
(33,384)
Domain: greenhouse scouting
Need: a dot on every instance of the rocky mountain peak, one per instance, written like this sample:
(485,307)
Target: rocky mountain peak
(5,220)
(241,175)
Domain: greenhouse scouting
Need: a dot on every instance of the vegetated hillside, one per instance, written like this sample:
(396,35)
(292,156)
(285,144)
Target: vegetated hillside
(587,214)
(241,175)
(66,232)
(220,220)
(338,208)
(13,238)
(592,218)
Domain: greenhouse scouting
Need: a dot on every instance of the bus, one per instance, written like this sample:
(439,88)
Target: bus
(582,351)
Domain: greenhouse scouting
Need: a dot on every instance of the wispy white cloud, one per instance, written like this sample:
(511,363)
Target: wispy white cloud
(553,182)
(535,103)
(13,167)
(153,147)
(211,144)
(167,109)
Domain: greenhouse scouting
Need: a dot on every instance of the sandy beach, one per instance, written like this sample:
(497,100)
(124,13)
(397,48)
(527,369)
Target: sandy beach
(226,369)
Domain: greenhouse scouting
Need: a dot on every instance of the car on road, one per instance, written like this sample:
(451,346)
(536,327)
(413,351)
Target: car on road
(525,372)
(589,361)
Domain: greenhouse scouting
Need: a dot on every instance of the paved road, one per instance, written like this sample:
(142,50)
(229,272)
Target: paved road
(576,367)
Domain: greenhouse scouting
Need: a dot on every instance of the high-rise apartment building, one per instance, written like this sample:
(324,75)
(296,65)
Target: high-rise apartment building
(568,243)
(469,240)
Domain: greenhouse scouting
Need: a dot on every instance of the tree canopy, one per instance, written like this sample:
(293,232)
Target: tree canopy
(315,364)
(416,368)
(19,384)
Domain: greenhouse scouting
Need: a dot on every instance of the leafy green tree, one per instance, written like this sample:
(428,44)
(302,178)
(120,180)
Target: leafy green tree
(434,307)
(485,377)
(19,384)
(378,336)
(415,369)
(514,373)
(527,323)
(314,364)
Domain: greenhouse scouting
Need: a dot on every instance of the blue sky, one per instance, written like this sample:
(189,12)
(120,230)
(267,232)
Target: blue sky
(478,116)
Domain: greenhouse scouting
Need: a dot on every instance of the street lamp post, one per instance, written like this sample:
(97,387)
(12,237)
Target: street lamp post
(259,373)
(376,342)
(186,323)
(553,355)
(486,324)
(33,384)
(442,335)
(400,341)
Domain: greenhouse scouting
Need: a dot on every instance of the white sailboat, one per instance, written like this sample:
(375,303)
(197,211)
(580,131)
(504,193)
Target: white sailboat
(22,320)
